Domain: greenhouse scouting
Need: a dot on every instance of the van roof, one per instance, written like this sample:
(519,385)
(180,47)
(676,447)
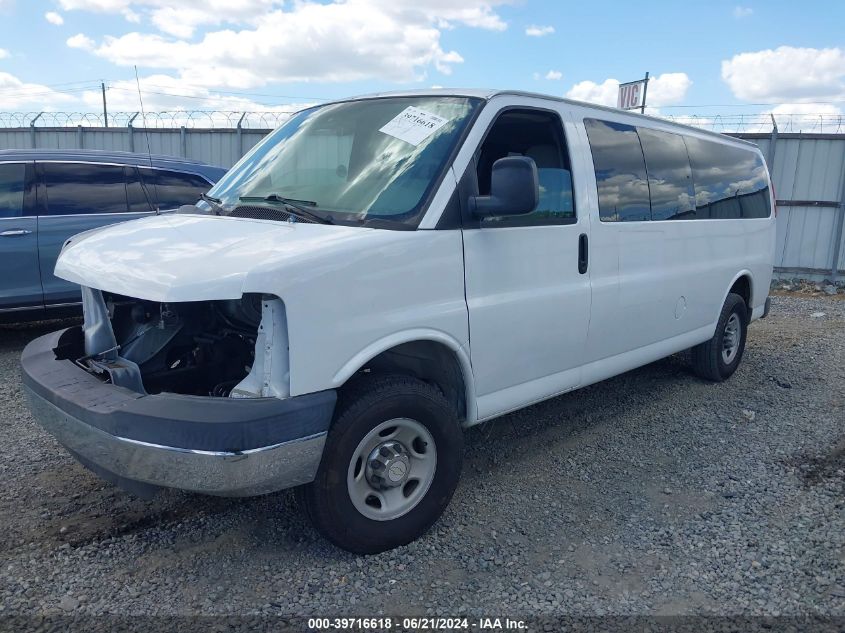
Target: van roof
(489,94)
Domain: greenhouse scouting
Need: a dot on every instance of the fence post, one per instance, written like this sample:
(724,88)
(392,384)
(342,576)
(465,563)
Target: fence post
(240,137)
(837,233)
(32,129)
(131,133)
(183,136)
(79,136)
(772,143)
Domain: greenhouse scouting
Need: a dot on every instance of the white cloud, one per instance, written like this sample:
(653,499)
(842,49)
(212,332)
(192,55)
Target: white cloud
(539,31)
(604,93)
(805,117)
(554,75)
(81,41)
(178,22)
(663,90)
(742,12)
(805,109)
(3,53)
(54,18)
(18,95)
(393,40)
(181,18)
(668,89)
(477,14)
(177,17)
(786,74)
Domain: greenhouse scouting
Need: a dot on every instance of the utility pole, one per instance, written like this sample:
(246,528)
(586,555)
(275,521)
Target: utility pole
(105,111)
(642,109)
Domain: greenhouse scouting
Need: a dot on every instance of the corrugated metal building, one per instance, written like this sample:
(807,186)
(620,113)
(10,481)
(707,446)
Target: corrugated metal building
(808,171)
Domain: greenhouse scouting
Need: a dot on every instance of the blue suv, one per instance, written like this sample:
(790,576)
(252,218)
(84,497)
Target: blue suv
(46,196)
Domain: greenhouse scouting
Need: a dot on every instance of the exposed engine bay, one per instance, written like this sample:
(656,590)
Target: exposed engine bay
(202,348)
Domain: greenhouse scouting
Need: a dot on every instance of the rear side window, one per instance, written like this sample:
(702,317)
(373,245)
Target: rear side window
(730,182)
(669,175)
(81,188)
(12,181)
(171,189)
(620,171)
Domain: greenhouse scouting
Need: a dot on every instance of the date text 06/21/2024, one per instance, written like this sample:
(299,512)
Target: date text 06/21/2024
(416,624)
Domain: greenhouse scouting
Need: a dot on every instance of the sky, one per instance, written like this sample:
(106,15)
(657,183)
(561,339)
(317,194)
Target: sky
(719,57)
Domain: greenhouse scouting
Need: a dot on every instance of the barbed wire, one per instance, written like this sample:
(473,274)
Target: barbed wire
(153,120)
(762,123)
(220,119)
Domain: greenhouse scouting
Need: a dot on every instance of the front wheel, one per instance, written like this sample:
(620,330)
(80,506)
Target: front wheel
(391,462)
(718,358)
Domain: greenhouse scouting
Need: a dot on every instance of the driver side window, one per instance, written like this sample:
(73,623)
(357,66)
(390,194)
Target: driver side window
(537,135)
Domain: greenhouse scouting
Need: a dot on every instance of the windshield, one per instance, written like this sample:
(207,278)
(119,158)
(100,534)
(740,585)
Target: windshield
(372,161)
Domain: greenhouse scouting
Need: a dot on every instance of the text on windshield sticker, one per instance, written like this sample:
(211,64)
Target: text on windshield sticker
(413,125)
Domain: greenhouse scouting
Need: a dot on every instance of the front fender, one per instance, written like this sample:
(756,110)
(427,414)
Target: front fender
(372,350)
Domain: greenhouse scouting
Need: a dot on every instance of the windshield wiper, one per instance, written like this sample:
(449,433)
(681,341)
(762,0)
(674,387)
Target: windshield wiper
(215,203)
(292,206)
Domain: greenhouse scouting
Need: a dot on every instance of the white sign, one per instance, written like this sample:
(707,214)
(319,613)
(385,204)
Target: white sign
(413,125)
(631,95)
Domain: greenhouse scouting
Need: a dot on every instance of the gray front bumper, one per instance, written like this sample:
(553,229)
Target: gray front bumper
(215,446)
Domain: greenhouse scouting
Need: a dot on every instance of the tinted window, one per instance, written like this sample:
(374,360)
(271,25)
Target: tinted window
(171,189)
(135,193)
(730,182)
(669,175)
(74,188)
(620,171)
(12,178)
(539,136)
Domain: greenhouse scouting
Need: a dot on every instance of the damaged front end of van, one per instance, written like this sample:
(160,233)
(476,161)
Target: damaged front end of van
(189,395)
(163,386)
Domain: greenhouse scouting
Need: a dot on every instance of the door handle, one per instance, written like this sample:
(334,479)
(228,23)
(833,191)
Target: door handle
(15,233)
(583,253)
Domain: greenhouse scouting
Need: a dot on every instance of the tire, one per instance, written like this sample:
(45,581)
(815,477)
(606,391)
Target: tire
(336,501)
(711,360)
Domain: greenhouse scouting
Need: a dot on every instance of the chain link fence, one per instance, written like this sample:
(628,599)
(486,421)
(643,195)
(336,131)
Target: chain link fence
(220,119)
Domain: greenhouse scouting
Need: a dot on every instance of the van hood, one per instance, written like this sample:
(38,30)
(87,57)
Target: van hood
(195,258)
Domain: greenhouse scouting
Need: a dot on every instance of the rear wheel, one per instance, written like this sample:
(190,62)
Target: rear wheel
(391,462)
(718,358)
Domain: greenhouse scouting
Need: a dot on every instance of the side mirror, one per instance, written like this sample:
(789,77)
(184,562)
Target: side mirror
(514,189)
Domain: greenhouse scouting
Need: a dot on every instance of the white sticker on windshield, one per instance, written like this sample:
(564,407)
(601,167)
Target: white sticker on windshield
(413,125)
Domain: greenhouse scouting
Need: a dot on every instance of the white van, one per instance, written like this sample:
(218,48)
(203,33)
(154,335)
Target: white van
(382,272)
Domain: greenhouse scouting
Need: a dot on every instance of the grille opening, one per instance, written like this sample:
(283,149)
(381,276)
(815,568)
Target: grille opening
(201,348)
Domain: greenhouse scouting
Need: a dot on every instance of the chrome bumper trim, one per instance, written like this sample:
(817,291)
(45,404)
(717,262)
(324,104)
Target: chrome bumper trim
(239,474)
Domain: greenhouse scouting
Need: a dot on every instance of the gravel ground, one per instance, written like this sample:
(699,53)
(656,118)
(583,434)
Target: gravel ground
(651,493)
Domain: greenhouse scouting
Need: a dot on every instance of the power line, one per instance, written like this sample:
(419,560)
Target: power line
(245,94)
(750,105)
(37,92)
(215,94)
